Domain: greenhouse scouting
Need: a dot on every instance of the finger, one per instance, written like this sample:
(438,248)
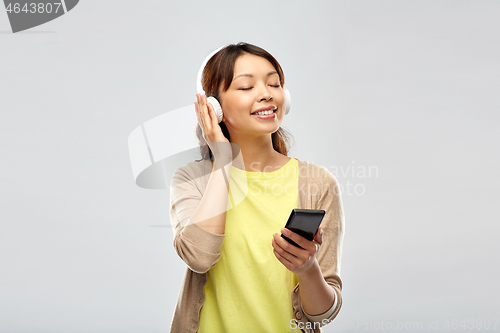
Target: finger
(283,252)
(319,236)
(205,115)
(198,101)
(213,115)
(210,113)
(284,246)
(201,113)
(200,122)
(199,116)
(204,108)
(283,260)
(196,111)
(198,106)
(301,241)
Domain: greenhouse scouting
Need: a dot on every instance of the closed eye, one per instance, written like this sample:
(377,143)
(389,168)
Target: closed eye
(271,85)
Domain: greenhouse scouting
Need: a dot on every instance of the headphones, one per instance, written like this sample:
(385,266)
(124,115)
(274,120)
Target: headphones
(215,103)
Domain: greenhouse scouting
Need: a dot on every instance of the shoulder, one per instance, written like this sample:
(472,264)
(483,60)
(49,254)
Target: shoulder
(191,171)
(315,173)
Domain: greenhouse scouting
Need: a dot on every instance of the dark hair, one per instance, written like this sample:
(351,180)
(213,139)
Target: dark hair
(218,75)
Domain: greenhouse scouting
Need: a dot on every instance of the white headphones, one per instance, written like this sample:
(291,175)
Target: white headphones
(215,103)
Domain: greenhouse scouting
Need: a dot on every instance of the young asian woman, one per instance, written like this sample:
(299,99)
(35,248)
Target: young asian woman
(241,275)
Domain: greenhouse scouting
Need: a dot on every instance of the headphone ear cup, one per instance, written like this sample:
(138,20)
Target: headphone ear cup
(218,109)
(288,100)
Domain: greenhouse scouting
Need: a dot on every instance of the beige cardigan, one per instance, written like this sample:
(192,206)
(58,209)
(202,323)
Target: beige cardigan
(200,249)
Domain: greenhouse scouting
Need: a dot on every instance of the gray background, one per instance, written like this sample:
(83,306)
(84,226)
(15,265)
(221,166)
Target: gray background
(408,87)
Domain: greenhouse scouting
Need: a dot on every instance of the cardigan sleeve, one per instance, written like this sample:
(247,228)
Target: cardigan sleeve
(330,253)
(324,316)
(197,247)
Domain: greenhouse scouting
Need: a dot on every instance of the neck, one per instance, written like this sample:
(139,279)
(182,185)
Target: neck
(258,152)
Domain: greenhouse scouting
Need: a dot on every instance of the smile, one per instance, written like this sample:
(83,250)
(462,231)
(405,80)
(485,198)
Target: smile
(269,114)
(264,112)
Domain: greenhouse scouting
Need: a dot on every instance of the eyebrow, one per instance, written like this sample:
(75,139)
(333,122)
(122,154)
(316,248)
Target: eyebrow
(250,75)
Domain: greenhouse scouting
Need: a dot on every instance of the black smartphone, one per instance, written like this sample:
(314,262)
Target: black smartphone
(304,222)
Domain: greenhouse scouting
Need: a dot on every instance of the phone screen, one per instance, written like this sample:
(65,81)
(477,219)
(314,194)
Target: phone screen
(304,222)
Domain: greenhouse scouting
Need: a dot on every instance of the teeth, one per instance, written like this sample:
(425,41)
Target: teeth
(265,112)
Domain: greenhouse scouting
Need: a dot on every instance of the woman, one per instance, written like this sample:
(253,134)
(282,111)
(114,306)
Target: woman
(242,276)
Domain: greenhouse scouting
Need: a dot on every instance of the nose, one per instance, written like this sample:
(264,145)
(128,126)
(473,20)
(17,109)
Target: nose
(265,94)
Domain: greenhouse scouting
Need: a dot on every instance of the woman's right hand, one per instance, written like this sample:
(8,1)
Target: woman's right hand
(212,133)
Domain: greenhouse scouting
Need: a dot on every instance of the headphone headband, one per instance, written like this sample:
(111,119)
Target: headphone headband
(199,88)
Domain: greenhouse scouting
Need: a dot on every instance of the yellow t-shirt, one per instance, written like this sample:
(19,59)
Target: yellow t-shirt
(249,289)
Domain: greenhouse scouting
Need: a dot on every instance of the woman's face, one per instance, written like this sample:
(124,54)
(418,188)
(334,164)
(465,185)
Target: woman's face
(255,86)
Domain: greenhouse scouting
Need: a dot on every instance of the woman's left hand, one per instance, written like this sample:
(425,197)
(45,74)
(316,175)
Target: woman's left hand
(297,260)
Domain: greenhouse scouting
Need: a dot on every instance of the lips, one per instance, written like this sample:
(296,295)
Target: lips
(266,108)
